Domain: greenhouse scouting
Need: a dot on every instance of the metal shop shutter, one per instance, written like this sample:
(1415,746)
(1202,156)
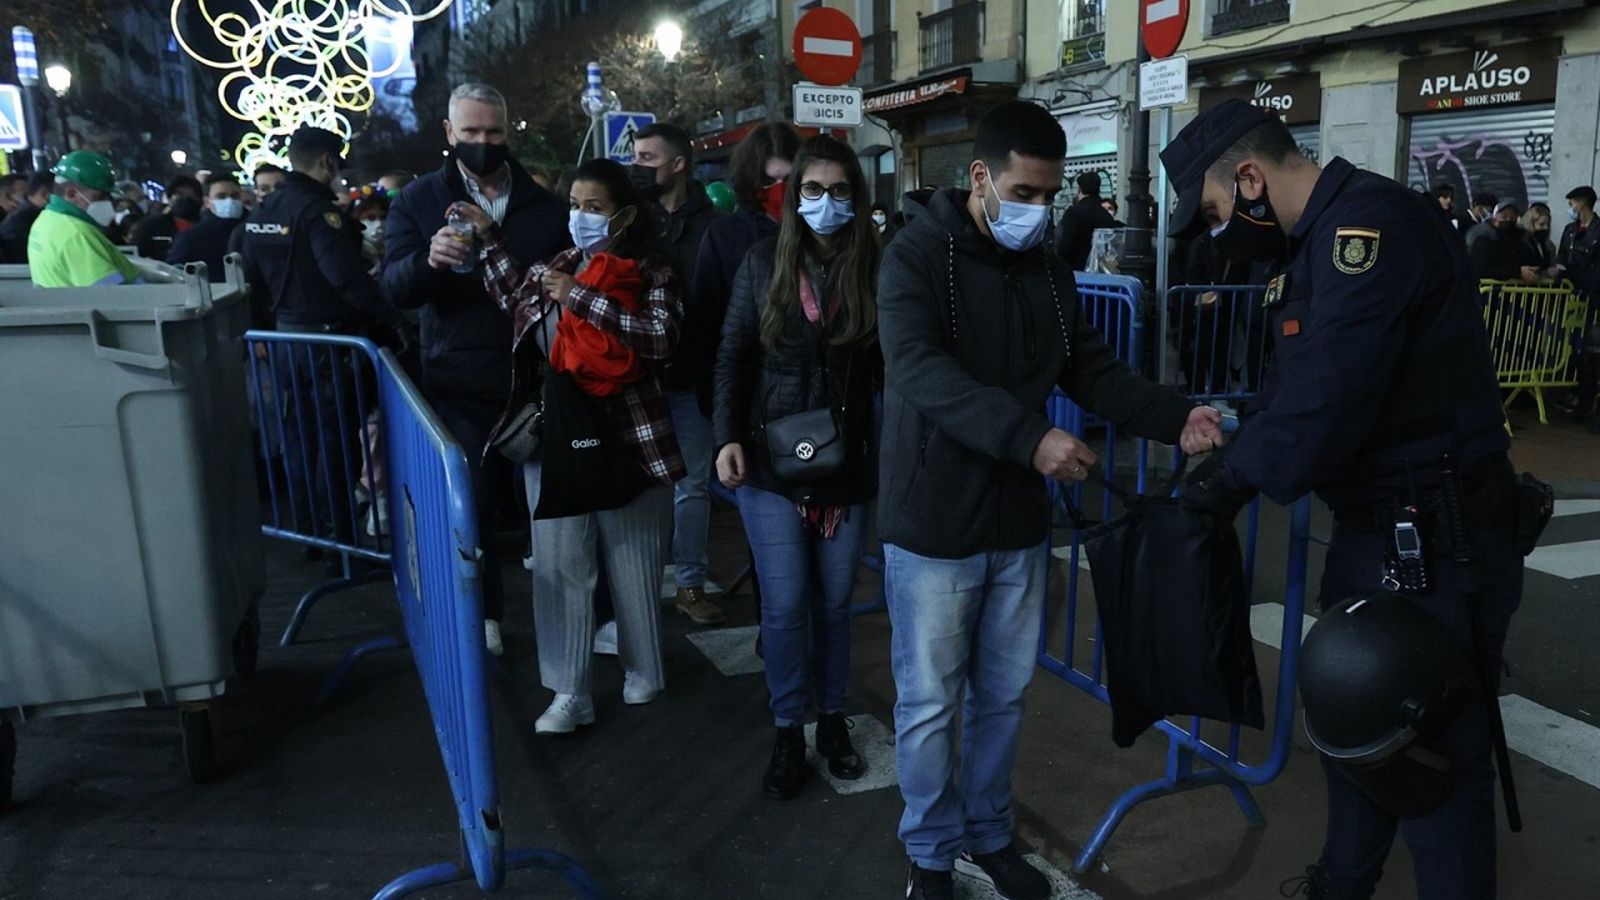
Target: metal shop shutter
(1505,152)
(945,165)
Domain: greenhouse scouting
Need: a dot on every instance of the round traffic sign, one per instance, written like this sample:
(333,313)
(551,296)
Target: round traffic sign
(827,46)
(1162,23)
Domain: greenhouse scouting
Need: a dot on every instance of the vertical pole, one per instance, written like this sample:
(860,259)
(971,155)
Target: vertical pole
(1163,267)
(1137,253)
(66,133)
(36,127)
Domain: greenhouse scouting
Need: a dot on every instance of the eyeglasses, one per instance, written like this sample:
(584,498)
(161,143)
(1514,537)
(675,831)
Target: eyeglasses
(841,192)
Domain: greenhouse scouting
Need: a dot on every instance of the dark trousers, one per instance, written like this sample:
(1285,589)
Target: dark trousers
(469,420)
(1453,846)
(321,439)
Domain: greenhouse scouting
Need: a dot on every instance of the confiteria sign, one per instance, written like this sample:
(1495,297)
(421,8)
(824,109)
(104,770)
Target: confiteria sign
(1518,73)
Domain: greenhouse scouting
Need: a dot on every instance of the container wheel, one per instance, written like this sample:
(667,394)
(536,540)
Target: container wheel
(247,644)
(199,745)
(8,761)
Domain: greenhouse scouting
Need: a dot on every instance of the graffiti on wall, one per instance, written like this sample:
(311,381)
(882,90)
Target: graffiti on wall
(1511,168)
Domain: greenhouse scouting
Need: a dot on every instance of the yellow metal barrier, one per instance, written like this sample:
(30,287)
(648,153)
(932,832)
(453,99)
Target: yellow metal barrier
(1532,332)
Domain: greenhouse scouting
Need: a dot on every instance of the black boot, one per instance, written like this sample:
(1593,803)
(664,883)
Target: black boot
(833,744)
(787,772)
(923,884)
(1315,884)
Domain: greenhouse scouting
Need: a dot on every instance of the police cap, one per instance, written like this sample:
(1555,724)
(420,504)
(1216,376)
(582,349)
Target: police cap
(310,137)
(1197,147)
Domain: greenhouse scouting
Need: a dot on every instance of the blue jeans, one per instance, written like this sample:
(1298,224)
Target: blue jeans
(691,498)
(806,583)
(965,631)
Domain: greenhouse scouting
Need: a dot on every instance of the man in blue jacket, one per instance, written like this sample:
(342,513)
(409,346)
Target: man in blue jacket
(210,240)
(466,339)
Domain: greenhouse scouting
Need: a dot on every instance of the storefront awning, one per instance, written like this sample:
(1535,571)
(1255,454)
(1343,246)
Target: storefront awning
(913,93)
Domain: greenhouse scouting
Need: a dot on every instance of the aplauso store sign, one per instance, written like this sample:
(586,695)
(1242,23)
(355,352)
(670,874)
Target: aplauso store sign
(1472,79)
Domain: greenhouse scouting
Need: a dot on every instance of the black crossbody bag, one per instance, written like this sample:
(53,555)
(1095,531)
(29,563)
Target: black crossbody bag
(810,446)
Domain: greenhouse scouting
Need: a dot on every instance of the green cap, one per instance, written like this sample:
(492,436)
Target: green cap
(89,169)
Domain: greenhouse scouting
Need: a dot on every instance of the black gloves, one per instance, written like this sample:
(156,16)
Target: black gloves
(1213,490)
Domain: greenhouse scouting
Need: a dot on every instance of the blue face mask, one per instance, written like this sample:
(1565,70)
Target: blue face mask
(228,208)
(591,232)
(826,215)
(1019,226)
(1572,214)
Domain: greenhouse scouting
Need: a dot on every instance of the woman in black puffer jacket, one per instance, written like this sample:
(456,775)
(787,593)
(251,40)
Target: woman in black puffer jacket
(801,337)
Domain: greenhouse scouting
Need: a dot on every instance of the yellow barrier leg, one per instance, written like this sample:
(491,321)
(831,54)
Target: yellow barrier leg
(1538,399)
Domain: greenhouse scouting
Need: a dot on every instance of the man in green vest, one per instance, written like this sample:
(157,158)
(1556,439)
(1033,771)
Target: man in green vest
(68,246)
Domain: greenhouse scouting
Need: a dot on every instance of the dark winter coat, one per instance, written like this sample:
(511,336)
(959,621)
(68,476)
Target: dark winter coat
(974,341)
(206,242)
(683,231)
(756,384)
(722,252)
(14,233)
(466,339)
(1580,255)
(1075,235)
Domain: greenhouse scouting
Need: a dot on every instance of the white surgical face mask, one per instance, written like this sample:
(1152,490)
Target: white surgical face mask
(103,212)
(227,208)
(373,229)
(591,232)
(879,219)
(1019,226)
(1572,214)
(826,215)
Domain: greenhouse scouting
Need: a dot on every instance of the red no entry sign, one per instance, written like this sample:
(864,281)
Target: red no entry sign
(1163,23)
(827,46)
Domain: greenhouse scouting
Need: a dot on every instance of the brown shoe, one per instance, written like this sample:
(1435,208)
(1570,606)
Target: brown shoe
(692,602)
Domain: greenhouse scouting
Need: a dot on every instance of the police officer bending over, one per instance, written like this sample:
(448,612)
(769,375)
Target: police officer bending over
(303,260)
(1383,401)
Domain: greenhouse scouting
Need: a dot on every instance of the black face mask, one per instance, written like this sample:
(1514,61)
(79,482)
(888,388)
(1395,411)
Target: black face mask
(1252,234)
(1508,229)
(644,179)
(482,159)
(1542,235)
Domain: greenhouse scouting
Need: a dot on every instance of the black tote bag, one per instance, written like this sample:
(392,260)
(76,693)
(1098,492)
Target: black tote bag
(585,466)
(1170,592)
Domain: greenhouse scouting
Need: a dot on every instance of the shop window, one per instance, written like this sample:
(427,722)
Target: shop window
(951,37)
(1228,16)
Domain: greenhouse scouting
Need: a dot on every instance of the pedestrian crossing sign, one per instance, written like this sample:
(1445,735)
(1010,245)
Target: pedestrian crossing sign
(621,127)
(13,125)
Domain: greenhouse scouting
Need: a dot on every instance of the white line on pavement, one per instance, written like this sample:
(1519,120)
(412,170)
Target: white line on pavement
(1568,745)
(1570,561)
(1061,887)
(1560,742)
(731,650)
(1576,507)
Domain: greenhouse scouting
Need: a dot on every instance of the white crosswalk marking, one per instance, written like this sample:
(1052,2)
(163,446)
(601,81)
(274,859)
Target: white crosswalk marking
(1061,886)
(731,650)
(874,742)
(1571,561)
(1576,507)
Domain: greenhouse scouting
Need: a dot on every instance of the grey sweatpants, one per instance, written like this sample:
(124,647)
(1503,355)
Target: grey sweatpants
(567,554)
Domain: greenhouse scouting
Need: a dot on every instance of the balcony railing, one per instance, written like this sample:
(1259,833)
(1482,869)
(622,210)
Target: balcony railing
(952,38)
(1242,15)
(877,59)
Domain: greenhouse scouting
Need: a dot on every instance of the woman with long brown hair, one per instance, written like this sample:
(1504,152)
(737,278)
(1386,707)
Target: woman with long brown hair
(794,422)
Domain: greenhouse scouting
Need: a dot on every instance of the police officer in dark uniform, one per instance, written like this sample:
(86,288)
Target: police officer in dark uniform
(307,274)
(1382,400)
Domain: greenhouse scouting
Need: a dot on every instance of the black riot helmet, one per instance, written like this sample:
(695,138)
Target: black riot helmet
(1380,680)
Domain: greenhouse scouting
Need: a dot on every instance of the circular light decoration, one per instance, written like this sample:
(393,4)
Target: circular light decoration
(293,63)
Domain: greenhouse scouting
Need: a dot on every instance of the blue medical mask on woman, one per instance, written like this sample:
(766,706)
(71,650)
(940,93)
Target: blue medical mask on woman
(1019,226)
(591,232)
(826,215)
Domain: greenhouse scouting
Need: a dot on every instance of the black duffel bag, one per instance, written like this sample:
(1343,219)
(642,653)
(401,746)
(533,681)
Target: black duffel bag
(1169,588)
(584,465)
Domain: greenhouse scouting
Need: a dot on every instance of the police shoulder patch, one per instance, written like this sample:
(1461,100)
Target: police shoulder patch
(1355,250)
(333,220)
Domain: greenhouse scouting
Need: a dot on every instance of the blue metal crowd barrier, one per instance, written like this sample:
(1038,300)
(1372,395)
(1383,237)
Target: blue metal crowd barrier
(1222,341)
(438,585)
(411,467)
(319,444)
(1186,743)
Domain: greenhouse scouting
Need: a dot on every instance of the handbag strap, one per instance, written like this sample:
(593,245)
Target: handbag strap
(818,327)
(1080,521)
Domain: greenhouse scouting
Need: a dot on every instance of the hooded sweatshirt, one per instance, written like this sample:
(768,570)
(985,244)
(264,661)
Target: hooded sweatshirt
(975,339)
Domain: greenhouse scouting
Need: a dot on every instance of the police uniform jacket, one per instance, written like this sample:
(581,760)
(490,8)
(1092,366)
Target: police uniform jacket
(466,339)
(304,256)
(1382,361)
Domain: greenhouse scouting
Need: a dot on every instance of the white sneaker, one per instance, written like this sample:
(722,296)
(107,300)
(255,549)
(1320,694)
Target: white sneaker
(605,639)
(491,637)
(565,714)
(635,692)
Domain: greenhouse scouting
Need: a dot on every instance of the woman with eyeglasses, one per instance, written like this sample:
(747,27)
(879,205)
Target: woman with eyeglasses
(794,422)
(593,322)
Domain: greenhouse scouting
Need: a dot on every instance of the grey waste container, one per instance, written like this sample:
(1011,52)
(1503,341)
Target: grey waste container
(130,548)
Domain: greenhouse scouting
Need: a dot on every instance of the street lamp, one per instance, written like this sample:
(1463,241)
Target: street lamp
(669,39)
(59,78)
(179,157)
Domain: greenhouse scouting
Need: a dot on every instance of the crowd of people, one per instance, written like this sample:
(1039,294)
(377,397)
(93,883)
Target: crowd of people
(612,342)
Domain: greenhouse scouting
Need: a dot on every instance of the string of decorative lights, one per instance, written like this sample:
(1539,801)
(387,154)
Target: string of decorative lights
(293,63)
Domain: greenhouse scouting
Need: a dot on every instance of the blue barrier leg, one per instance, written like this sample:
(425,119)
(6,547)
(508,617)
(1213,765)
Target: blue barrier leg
(432,876)
(451,873)
(1247,803)
(303,608)
(355,655)
(1149,791)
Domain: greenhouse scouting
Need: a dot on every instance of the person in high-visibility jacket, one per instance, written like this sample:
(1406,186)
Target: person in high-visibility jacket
(68,246)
